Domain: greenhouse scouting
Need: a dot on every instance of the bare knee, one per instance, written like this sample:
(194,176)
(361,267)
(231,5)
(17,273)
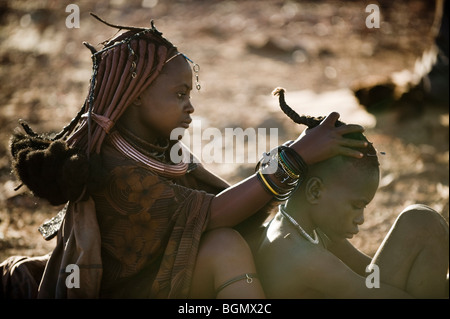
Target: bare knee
(420,220)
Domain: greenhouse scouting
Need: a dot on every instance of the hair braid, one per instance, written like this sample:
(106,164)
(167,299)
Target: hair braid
(66,167)
(309,121)
(370,158)
(70,127)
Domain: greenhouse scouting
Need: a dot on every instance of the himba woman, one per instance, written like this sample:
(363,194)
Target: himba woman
(136,224)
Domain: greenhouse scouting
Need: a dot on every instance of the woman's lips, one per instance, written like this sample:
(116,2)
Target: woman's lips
(185,123)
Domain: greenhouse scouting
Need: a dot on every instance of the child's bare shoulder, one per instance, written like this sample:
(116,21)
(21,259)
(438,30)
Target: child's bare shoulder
(281,241)
(284,253)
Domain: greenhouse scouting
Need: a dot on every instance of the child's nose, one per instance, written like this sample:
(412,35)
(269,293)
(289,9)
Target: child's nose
(359,220)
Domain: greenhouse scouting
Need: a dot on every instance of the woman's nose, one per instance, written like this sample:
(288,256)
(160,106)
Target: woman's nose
(190,108)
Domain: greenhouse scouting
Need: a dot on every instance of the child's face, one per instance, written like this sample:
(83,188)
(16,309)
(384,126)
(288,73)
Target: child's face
(165,104)
(343,199)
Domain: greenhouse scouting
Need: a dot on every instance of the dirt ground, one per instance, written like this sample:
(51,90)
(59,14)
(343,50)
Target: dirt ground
(244,49)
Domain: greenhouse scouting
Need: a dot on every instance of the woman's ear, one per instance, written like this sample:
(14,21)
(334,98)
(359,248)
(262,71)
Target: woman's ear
(137,101)
(313,190)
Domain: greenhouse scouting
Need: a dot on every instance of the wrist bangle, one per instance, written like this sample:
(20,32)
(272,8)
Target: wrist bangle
(273,189)
(266,184)
(285,168)
(294,161)
(280,172)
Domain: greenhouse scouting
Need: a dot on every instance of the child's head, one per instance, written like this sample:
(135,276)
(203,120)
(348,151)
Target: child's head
(336,191)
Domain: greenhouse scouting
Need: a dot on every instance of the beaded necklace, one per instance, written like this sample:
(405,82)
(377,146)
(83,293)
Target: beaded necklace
(314,241)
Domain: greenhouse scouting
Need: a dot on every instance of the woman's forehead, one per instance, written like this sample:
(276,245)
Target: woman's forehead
(176,72)
(178,66)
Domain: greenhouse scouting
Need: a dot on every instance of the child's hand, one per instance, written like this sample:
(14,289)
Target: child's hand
(325,141)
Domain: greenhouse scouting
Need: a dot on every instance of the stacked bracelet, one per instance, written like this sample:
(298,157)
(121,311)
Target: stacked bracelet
(293,161)
(281,171)
(274,190)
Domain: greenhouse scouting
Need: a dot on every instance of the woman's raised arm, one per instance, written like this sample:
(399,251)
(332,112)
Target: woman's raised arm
(242,200)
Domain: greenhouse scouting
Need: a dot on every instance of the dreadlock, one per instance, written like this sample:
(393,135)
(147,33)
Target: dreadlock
(370,158)
(67,166)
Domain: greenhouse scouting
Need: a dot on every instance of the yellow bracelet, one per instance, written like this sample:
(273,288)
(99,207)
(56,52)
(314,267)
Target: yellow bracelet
(267,184)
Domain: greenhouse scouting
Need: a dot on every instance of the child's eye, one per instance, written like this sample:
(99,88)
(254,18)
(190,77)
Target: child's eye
(359,206)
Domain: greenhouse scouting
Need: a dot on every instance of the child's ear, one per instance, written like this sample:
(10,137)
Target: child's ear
(313,190)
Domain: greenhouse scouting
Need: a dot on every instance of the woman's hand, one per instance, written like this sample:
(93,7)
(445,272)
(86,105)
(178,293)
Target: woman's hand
(242,200)
(325,141)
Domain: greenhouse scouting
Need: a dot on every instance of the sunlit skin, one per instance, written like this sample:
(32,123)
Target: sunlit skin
(334,199)
(332,202)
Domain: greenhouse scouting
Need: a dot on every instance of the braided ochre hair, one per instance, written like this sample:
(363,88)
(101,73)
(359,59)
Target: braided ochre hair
(67,166)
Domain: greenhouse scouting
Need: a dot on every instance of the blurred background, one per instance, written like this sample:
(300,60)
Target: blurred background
(321,52)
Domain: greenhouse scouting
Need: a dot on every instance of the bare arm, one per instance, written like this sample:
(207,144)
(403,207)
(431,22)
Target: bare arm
(242,200)
(331,277)
(350,255)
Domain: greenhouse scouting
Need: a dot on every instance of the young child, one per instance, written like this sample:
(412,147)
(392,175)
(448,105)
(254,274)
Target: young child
(304,252)
(137,224)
